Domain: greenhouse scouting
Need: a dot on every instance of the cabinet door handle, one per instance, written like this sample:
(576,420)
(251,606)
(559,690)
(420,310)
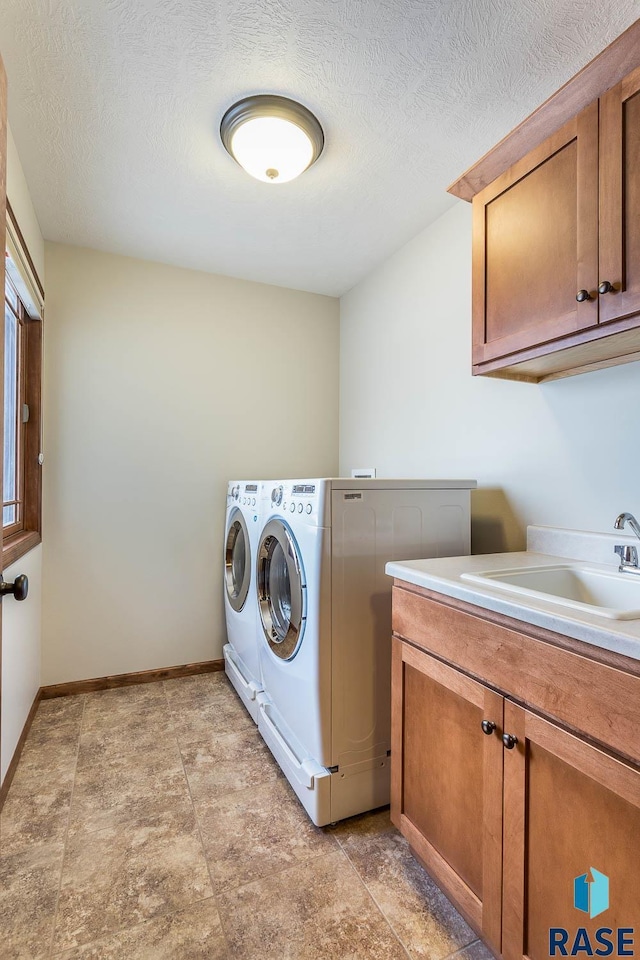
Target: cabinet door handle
(488,726)
(606,287)
(583,295)
(509,741)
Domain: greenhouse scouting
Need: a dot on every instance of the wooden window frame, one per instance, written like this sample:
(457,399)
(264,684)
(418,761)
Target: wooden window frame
(23,536)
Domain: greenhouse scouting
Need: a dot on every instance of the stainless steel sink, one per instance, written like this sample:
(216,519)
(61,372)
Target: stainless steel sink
(613,595)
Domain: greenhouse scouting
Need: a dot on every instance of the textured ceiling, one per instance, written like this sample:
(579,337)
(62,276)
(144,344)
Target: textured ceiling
(115,107)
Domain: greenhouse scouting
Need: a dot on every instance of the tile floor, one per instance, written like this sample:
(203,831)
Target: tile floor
(151,822)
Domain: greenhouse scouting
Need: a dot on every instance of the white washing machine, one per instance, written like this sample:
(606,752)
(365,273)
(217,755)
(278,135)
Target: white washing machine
(242,528)
(324,604)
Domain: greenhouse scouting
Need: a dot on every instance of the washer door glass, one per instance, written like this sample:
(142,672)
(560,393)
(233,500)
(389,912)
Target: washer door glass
(280,590)
(237,561)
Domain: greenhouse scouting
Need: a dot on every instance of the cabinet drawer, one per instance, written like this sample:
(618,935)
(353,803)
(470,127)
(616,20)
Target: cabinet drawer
(601,701)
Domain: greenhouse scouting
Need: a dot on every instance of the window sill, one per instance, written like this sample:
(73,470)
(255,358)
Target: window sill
(18,545)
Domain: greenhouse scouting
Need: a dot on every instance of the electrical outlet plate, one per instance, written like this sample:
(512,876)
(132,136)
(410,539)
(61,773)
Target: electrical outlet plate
(363,473)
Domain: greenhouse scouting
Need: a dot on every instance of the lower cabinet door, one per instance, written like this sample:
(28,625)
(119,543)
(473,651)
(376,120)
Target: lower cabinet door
(571,883)
(446,793)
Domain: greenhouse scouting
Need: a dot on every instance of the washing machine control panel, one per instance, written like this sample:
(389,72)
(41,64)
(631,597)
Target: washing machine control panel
(251,494)
(244,494)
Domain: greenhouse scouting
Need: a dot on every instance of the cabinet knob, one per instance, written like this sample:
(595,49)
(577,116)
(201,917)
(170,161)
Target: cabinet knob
(583,295)
(606,287)
(18,589)
(488,726)
(509,741)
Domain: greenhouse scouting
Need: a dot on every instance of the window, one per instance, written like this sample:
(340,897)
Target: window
(14,425)
(21,508)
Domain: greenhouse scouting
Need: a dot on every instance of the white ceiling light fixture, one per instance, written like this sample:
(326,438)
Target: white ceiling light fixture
(273,138)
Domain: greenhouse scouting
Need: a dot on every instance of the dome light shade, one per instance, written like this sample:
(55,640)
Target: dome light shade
(273,138)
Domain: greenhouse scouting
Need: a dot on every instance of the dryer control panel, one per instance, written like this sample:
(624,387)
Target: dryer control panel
(297,501)
(302,499)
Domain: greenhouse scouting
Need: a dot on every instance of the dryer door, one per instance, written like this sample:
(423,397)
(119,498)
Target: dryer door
(237,561)
(281,590)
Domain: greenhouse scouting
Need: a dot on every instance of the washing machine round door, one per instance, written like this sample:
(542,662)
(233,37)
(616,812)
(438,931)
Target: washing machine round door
(280,589)
(237,561)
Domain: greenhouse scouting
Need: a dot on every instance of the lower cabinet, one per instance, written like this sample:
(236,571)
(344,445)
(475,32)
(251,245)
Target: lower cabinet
(523,824)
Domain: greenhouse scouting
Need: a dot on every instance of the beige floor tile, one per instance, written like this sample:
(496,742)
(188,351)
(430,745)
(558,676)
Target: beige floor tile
(194,933)
(114,787)
(28,890)
(45,765)
(116,878)
(423,918)
(131,693)
(149,809)
(38,817)
(48,731)
(219,713)
(254,832)
(314,911)
(136,738)
(127,729)
(104,714)
(61,709)
(202,686)
(224,763)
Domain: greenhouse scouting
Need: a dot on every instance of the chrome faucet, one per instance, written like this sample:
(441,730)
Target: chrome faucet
(628,554)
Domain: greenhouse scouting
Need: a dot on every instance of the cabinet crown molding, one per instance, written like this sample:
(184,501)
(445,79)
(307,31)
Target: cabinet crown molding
(601,74)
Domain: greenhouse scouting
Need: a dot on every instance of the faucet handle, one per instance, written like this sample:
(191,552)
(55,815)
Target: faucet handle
(628,555)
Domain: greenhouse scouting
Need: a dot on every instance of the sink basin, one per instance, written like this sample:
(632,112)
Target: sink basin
(613,595)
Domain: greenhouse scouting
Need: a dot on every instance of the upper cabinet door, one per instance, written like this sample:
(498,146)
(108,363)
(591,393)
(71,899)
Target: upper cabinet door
(620,200)
(535,245)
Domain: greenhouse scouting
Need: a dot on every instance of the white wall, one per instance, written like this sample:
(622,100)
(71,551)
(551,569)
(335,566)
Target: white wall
(21,621)
(21,629)
(20,200)
(565,453)
(162,384)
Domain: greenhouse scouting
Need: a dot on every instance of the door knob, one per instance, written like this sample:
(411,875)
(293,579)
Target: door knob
(488,726)
(606,287)
(583,295)
(509,741)
(18,589)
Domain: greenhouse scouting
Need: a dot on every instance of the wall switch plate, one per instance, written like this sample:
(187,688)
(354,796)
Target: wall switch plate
(363,473)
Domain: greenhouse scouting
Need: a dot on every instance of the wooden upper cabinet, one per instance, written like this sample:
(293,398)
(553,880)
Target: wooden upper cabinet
(557,216)
(535,245)
(620,200)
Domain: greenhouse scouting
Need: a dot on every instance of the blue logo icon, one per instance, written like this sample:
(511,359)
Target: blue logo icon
(591,896)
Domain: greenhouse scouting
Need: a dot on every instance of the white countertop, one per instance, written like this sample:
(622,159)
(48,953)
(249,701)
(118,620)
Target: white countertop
(444,575)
